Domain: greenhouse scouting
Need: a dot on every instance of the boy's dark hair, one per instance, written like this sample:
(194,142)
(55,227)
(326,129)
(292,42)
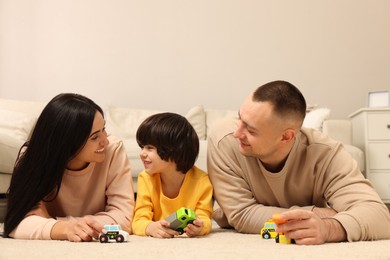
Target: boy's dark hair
(174,138)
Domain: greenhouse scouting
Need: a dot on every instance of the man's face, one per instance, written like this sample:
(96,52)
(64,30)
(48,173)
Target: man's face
(259,130)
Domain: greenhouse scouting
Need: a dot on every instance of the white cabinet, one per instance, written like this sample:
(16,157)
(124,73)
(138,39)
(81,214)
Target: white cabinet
(371,133)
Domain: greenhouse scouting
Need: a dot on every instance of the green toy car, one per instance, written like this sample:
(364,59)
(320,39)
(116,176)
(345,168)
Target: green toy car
(180,219)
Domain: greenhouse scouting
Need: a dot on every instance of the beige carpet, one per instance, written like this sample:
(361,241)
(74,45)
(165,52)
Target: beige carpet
(220,244)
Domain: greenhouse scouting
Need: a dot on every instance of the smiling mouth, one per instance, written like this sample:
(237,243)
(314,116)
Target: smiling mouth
(243,143)
(100,150)
(146,163)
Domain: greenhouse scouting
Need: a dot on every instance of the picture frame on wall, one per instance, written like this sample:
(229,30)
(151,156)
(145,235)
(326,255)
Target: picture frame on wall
(378,98)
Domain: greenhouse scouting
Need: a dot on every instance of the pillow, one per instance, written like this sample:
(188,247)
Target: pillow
(124,122)
(316,117)
(16,124)
(28,107)
(9,150)
(197,118)
(214,115)
(310,107)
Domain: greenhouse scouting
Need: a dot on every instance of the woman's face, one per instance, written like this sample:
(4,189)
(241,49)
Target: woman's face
(94,148)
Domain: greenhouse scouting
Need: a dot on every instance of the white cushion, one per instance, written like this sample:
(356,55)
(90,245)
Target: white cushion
(197,118)
(338,129)
(124,122)
(356,154)
(9,150)
(214,115)
(132,151)
(27,107)
(15,128)
(310,107)
(315,118)
(5,180)
(201,161)
(16,124)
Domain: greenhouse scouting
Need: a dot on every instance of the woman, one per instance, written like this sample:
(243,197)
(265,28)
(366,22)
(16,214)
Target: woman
(70,178)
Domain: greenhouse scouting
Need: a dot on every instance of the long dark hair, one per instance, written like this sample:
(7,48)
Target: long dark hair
(61,131)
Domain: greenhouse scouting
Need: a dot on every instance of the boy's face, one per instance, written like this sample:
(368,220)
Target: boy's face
(153,162)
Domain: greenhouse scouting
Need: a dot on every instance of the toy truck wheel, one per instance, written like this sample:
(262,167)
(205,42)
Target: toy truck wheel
(180,230)
(119,238)
(266,235)
(103,239)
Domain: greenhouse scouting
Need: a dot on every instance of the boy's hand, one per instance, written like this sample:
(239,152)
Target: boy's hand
(160,229)
(194,229)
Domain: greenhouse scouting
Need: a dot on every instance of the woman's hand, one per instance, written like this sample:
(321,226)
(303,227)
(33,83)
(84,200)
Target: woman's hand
(81,229)
(160,229)
(194,229)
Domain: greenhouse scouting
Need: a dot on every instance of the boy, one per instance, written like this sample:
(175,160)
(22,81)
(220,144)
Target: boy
(169,148)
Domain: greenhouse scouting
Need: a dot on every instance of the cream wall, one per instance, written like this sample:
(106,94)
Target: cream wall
(175,54)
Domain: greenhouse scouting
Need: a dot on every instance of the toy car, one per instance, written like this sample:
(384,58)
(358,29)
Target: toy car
(180,219)
(268,230)
(280,237)
(113,233)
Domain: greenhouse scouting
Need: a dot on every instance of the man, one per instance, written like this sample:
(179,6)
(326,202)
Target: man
(265,163)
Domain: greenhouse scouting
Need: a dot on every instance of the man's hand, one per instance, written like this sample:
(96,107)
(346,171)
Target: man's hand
(160,229)
(77,229)
(307,228)
(194,229)
(324,212)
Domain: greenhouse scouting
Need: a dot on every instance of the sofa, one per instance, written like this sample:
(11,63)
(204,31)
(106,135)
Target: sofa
(17,118)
